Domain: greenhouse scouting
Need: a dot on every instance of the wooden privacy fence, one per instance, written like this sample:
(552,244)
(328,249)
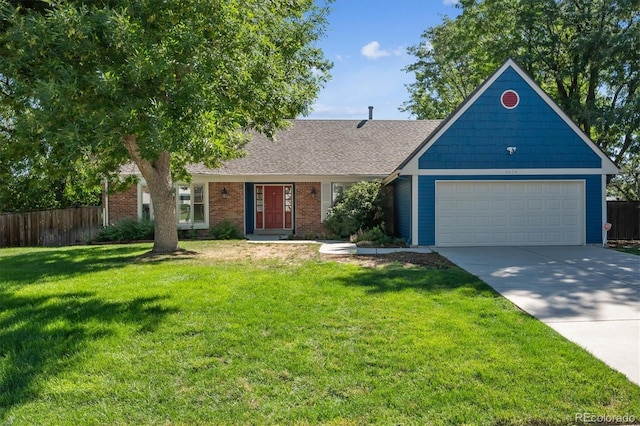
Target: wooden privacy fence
(624,217)
(50,228)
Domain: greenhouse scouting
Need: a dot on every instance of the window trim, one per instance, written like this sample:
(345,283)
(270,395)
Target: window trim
(190,225)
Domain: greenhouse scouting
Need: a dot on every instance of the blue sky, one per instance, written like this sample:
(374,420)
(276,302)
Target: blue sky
(367,41)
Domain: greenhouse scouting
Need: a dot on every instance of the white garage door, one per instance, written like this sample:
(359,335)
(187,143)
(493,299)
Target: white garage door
(509,213)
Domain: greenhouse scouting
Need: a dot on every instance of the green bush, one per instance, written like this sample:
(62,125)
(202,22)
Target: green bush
(376,236)
(358,207)
(226,231)
(127,230)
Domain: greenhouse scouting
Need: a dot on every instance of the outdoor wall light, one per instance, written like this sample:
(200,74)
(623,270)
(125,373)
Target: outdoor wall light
(224,193)
(511,150)
(313,192)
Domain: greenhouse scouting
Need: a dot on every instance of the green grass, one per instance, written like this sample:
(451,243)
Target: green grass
(630,250)
(104,335)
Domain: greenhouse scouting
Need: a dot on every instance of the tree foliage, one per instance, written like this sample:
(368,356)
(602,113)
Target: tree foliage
(159,83)
(584,53)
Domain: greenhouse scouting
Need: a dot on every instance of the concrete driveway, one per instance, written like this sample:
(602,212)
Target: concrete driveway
(590,295)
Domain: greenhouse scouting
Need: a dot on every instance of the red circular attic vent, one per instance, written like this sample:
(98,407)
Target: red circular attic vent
(510,99)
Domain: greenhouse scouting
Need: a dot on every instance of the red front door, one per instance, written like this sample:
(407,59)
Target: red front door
(273,207)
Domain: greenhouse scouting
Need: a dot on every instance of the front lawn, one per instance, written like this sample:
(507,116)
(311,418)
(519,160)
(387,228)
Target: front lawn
(231,334)
(630,250)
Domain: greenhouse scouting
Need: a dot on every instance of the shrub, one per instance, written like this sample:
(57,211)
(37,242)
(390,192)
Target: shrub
(358,207)
(127,230)
(376,236)
(226,231)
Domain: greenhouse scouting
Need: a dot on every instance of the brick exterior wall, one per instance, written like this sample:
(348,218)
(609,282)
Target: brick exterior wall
(307,209)
(230,208)
(122,205)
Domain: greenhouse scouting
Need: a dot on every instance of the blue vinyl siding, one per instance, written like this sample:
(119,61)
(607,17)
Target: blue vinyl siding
(249,214)
(479,137)
(402,206)
(427,194)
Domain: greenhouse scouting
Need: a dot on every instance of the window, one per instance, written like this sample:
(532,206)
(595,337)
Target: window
(191,205)
(147,207)
(198,204)
(338,188)
(259,198)
(288,198)
(183,209)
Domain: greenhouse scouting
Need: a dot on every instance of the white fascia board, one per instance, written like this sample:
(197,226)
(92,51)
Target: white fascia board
(389,179)
(508,172)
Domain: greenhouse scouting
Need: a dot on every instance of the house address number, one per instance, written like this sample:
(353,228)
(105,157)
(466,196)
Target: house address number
(510,172)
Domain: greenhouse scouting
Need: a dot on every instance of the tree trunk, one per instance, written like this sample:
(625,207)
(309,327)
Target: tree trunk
(157,173)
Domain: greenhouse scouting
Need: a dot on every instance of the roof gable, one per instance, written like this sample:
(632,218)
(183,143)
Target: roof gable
(477,135)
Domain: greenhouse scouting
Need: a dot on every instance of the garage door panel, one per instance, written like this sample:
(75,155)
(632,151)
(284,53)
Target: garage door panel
(481,220)
(553,204)
(463,205)
(499,221)
(516,205)
(500,238)
(535,204)
(482,188)
(518,222)
(570,204)
(535,237)
(517,189)
(482,205)
(553,221)
(535,221)
(509,213)
(535,189)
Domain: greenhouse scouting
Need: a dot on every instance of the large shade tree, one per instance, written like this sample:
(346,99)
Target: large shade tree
(32,178)
(155,82)
(584,53)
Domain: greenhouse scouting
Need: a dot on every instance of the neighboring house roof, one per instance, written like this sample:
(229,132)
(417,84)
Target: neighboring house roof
(329,148)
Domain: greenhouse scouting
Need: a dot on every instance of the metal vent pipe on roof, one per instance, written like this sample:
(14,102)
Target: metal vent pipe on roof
(370,113)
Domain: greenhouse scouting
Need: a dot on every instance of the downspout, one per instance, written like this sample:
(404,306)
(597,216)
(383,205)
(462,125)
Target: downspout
(105,209)
(605,219)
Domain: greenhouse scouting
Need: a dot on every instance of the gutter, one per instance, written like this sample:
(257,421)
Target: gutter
(393,176)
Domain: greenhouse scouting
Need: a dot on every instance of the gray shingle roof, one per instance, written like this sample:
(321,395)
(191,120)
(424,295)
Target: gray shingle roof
(330,147)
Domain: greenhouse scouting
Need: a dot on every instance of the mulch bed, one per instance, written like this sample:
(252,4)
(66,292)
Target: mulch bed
(623,243)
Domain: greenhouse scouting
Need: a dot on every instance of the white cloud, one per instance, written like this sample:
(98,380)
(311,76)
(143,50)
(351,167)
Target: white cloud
(399,51)
(451,2)
(373,51)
